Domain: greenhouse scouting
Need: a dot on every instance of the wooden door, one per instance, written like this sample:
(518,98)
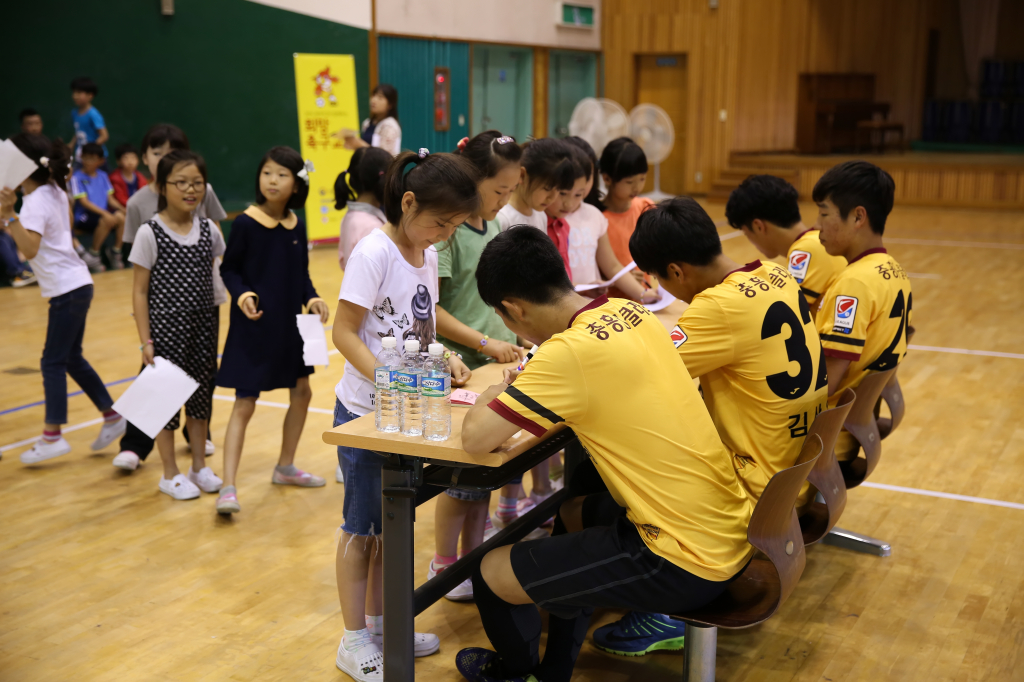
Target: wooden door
(661,79)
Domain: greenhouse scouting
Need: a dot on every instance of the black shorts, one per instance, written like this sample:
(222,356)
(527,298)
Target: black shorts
(606,566)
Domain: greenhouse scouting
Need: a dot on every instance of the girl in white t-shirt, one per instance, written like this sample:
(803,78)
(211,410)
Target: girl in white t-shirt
(546,169)
(390,288)
(43,233)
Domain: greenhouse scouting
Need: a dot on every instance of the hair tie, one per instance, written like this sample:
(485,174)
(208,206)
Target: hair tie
(423,152)
(303,174)
(462,144)
(44,162)
(505,140)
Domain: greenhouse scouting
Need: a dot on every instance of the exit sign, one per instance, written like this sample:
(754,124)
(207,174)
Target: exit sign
(576,15)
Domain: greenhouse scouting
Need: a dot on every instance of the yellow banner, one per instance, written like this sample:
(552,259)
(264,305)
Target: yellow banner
(325,89)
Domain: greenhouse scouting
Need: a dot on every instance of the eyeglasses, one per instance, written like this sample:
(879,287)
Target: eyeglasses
(183,185)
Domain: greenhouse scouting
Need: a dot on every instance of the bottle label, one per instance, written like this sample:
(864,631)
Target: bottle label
(436,386)
(383,378)
(407,382)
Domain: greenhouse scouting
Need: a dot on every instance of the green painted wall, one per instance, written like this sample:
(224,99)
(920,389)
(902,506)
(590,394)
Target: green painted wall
(503,90)
(220,69)
(571,77)
(408,64)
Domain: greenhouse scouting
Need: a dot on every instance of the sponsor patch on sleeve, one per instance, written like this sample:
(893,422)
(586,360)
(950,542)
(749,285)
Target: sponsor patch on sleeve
(846,313)
(798,264)
(678,336)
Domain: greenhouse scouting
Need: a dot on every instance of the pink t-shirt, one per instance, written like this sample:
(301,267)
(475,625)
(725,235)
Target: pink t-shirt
(360,220)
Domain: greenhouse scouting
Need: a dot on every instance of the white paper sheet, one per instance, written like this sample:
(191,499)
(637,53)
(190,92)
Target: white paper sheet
(155,395)
(613,280)
(665,301)
(14,166)
(314,341)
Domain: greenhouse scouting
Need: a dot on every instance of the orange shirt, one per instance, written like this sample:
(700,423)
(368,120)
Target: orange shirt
(621,226)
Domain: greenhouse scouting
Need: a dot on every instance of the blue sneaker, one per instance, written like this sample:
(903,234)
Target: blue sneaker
(637,634)
(483,665)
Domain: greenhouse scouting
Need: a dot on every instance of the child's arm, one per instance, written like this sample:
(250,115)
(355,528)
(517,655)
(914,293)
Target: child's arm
(26,240)
(314,304)
(345,335)
(113,204)
(609,266)
(450,327)
(836,368)
(140,307)
(231,273)
(102,135)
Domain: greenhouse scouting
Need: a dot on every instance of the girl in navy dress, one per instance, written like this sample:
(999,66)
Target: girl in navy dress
(266,271)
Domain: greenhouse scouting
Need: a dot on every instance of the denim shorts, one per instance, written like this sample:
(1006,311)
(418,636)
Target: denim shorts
(362,470)
(468,495)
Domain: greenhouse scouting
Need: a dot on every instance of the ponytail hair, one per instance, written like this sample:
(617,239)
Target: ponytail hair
(548,162)
(443,183)
(365,174)
(292,160)
(51,156)
(490,152)
(594,198)
(168,162)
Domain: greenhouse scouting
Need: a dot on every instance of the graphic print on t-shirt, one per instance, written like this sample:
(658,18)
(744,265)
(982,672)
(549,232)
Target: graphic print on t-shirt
(423,318)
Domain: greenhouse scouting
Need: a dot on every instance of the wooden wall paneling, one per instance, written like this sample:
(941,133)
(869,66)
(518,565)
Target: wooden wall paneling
(541,66)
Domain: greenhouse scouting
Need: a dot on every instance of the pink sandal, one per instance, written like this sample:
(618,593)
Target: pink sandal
(301,478)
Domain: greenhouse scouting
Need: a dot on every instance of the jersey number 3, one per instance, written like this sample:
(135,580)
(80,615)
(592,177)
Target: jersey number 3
(783,384)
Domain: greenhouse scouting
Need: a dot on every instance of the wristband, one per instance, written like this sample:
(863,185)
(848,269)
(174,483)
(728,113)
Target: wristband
(483,341)
(149,342)
(448,354)
(8,221)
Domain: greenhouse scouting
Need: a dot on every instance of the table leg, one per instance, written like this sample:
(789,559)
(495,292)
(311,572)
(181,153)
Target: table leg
(398,503)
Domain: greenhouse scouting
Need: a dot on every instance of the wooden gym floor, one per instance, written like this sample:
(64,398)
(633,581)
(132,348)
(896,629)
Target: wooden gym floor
(104,578)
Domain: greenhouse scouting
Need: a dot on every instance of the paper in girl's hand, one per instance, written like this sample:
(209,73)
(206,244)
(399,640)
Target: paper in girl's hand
(155,396)
(461,396)
(14,166)
(613,280)
(314,341)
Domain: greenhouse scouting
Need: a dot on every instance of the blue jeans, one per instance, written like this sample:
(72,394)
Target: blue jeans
(362,470)
(12,265)
(62,355)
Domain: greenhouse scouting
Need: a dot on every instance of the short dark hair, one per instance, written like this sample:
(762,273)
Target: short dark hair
(36,147)
(93,149)
(84,84)
(858,183)
(490,151)
(548,162)
(292,160)
(675,231)
(166,167)
(763,197)
(126,148)
(391,95)
(622,158)
(161,133)
(522,262)
(594,198)
(26,112)
(440,182)
(365,173)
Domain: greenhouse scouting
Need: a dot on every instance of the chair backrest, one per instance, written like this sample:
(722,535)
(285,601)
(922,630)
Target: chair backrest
(862,424)
(817,518)
(892,394)
(774,527)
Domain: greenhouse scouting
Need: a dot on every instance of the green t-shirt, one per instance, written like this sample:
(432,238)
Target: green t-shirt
(456,267)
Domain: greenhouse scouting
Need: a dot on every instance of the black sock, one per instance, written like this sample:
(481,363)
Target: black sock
(565,638)
(514,630)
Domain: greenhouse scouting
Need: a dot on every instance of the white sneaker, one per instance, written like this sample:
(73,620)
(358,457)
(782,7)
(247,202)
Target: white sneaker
(210,447)
(127,460)
(462,592)
(423,643)
(92,260)
(110,432)
(207,481)
(365,664)
(42,451)
(339,475)
(179,487)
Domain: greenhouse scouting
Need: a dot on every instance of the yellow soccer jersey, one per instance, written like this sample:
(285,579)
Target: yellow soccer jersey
(614,377)
(811,266)
(752,342)
(864,316)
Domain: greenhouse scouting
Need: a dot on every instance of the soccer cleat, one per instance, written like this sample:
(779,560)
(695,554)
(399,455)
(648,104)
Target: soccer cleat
(461,592)
(42,451)
(638,634)
(483,665)
(127,460)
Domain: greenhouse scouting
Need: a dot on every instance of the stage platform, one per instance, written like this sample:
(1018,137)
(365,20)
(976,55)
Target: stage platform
(922,178)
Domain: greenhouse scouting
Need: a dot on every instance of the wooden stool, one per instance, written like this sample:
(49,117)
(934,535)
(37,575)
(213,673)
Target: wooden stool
(892,394)
(862,425)
(765,584)
(821,515)
(870,127)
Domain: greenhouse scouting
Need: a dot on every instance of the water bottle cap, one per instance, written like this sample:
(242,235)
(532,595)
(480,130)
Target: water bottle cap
(412,346)
(436,349)
(389,342)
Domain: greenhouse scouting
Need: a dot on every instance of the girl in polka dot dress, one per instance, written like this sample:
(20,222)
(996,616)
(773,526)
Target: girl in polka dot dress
(175,311)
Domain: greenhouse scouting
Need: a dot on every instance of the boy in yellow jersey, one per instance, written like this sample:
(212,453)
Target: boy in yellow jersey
(748,335)
(865,313)
(669,533)
(766,209)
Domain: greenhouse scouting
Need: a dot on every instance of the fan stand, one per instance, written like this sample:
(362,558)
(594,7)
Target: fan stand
(657,195)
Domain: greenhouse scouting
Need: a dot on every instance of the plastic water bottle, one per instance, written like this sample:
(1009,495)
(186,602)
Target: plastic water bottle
(436,391)
(386,402)
(409,389)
